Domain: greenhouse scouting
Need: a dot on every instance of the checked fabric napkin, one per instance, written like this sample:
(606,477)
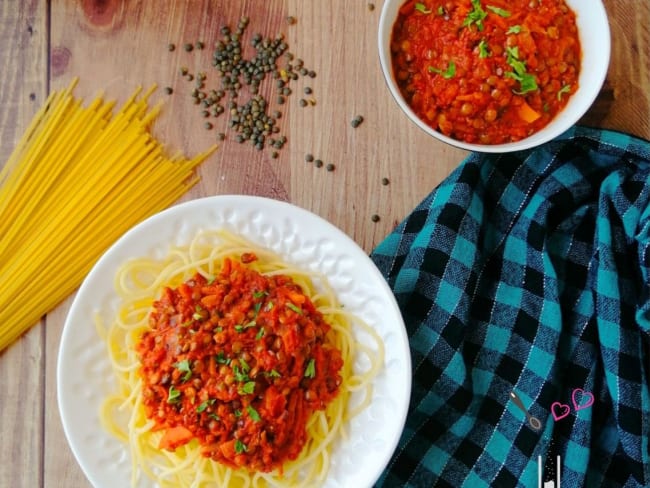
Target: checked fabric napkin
(528,274)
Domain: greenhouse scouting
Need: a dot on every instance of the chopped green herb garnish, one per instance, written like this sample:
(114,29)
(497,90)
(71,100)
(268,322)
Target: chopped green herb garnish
(257,307)
(237,413)
(483,51)
(526,81)
(441,10)
(244,365)
(255,417)
(187,323)
(475,16)
(222,359)
(174,395)
(274,374)
(260,334)
(310,370)
(515,29)
(248,388)
(184,367)
(499,11)
(211,280)
(269,306)
(240,447)
(248,325)
(198,313)
(563,90)
(446,74)
(239,375)
(259,294)
(291,306)
(214,416)
(420,7)
(204,405)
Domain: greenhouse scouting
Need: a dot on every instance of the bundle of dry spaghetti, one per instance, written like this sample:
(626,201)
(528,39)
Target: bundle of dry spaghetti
(78,179)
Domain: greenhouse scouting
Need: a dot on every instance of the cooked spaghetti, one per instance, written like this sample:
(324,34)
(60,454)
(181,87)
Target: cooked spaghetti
(78,179)
(235,368)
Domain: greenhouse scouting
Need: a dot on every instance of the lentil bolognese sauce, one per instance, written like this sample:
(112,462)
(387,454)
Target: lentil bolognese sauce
(235,368)
(487,72)
(239,362)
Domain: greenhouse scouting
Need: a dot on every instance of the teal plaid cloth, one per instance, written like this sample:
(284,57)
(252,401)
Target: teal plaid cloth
(528,273)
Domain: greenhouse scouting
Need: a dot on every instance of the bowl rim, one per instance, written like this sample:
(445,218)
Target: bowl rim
(596,73)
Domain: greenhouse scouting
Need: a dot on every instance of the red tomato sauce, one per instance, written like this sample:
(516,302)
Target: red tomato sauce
(487,72)
(238,363)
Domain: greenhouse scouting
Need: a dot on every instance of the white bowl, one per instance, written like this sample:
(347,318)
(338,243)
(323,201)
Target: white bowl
(593,29)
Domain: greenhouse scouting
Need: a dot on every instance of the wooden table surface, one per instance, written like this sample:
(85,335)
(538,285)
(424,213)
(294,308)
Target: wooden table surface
(115,45)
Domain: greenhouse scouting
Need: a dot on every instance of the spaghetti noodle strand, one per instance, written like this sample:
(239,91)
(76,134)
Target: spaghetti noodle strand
(77,180)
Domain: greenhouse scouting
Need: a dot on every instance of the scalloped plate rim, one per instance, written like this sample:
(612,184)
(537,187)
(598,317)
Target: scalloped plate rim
(69,411)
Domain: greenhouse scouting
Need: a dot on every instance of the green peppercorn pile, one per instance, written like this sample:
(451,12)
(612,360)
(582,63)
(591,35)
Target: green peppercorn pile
(253,120)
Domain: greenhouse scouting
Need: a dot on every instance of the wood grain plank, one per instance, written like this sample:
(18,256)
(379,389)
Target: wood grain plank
(23,84)
(116,45)
(386,144)
(624,101)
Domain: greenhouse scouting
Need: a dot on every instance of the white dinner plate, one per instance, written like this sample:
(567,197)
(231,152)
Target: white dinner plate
(85,378)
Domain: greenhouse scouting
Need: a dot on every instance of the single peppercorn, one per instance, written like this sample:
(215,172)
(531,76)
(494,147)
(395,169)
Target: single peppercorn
(171,47)
(309,158)
(318,163)
(188,47)
(330,167)
(375,218)
(385,181)
(169,90)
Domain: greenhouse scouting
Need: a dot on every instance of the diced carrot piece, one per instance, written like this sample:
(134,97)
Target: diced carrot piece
(527,113)
(175,437)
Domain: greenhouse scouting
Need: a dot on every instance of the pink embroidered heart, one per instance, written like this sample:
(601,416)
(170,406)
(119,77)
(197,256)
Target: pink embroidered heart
(582,399)
(559,410)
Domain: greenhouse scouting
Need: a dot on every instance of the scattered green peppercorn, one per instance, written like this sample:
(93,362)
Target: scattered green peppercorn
(169,90)
(253,121)
(274,154)
(375,218)
(183,71)
(307,90)
(171,47)
(371,7)
(291,20)
(312,74)
(208,125)
(330,167)
(302,102)
(318,163)
(385,181)
(309,158)
(356,122)
(221,136)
